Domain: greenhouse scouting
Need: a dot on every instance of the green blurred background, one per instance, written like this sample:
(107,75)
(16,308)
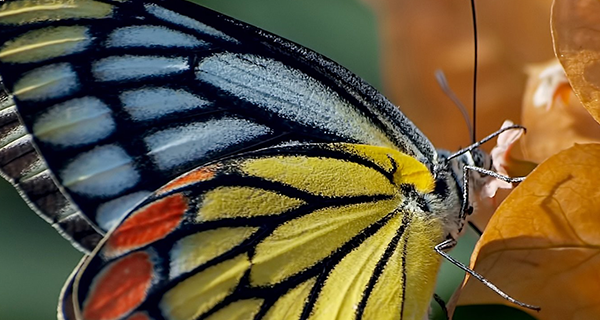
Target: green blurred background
(35,260)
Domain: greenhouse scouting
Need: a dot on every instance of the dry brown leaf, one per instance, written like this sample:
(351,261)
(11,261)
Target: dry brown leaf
(576,35)
(554,117)
(543,244)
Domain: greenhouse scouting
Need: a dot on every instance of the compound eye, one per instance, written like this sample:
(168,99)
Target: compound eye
(481,159)
(469,210)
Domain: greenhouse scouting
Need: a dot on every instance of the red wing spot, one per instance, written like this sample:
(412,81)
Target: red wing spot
(198,175)
(148,224)
(119,288)
(139,316)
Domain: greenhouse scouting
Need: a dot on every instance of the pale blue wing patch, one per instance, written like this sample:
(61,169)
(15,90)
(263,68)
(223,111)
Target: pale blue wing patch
(152,36)
(47,82)
(176,18)
(102,172)
(75,122)
(46,43)
(129,67)
(152,103)
(110,213)
(280,89)
(176,146)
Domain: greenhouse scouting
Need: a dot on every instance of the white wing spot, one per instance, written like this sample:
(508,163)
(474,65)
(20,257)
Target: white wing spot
(137,67)
(184,144)
(47,82)
(152,103)
(152,36)
(176,18)
(290,93)
(110,213)
(75,122)
(105,171)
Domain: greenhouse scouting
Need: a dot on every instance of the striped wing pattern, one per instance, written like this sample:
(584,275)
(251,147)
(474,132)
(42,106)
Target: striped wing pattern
(116,98)
(274,234)
(24,167)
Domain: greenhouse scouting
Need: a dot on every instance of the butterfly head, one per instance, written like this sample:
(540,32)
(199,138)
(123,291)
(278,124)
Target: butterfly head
(479,159)
(453,191)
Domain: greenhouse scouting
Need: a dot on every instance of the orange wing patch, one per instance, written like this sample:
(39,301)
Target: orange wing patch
(198,175)
(146,225)
(120,288)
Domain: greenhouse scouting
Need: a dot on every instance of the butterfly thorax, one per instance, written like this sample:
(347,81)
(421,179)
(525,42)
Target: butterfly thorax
(446,201)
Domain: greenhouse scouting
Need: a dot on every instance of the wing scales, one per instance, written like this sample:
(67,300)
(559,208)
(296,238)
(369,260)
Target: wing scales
(303,242)
(191,252)
(24,168)
(202,291)
(291,304)
(239,310)
(114,58)
(23,12)
(292,261)
(345,287)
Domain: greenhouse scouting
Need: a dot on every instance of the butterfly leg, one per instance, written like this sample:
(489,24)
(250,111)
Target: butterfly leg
(451,243)
(484,140)
(495,174)
(475,228)
(466,208)
(442,305)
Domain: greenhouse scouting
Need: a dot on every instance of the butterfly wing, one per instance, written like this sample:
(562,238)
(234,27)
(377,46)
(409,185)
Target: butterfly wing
(120,97)
(24,167)
(306,231)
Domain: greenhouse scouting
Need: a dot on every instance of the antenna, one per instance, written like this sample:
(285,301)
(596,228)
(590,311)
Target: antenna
(475,56)
(466,208)
(443,83)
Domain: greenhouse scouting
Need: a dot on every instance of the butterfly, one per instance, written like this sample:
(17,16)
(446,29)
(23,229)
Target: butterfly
(213,170)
